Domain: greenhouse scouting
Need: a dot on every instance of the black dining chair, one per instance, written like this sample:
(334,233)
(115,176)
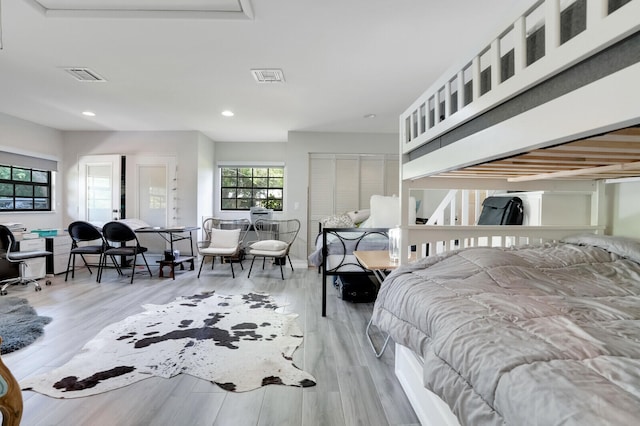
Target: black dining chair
(121,241)
(9,253)
(86,239)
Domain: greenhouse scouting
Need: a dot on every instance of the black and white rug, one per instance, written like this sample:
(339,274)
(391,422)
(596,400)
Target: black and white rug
(20,325)
(239,342)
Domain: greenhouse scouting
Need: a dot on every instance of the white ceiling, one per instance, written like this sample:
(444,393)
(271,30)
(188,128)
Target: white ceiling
(342,60)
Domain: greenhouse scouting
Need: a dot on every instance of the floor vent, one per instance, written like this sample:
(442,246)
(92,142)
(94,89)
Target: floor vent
(85,75)
(268,75)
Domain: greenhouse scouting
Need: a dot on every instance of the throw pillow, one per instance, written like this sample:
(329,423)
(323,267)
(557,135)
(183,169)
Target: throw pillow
(359,216)
(338,221)
(224,238)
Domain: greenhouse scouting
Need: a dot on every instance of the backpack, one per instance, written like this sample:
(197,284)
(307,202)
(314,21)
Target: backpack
(501,211)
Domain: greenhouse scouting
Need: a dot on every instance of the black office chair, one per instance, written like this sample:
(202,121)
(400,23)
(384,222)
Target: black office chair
(9,253)
(83,232)
(120,234)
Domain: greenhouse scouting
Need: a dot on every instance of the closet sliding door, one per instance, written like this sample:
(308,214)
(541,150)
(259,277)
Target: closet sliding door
(339,183)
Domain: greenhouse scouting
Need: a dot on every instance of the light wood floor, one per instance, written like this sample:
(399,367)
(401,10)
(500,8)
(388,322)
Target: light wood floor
(353,386)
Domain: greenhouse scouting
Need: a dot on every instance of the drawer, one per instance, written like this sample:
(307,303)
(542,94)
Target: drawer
(31,245)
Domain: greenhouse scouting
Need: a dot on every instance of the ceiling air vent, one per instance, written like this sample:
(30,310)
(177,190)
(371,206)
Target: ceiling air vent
(85,75)
(268,75)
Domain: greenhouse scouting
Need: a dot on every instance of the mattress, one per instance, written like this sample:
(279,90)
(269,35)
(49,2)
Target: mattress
(534,335)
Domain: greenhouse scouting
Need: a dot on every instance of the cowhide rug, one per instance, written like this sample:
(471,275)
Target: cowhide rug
(238,342)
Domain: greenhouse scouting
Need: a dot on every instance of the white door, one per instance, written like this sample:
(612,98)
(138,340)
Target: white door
(99,192)
(151,195)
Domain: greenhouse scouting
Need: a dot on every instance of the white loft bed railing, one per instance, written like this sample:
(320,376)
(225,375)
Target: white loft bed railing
(434,239)
(444,105)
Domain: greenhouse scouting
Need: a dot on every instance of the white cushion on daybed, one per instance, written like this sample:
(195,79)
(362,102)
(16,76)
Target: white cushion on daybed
(385,212)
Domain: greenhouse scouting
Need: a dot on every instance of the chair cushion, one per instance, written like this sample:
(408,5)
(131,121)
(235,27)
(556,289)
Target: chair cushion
(224,238)
(269,245)
(212,251)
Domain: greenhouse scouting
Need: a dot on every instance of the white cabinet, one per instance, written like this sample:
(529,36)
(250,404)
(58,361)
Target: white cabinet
(36,267)
(59,245)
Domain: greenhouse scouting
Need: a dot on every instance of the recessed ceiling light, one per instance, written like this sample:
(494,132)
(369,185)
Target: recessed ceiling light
(89,113)
(227,113)
(369,116)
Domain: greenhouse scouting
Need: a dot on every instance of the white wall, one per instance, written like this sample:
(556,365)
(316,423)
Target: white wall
(27,138)
(206,178)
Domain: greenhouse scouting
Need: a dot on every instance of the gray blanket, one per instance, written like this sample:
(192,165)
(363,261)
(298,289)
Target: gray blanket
(538,335)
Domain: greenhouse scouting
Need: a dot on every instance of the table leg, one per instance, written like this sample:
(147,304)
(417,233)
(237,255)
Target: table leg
(384,346)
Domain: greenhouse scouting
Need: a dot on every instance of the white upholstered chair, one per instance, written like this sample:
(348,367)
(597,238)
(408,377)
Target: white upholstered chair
(275,238)
(224,239)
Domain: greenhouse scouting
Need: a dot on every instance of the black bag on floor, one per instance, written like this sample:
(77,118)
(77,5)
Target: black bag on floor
(356,288)
(501,211)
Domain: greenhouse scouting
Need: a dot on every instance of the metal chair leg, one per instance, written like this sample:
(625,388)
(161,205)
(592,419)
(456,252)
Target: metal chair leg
(251,267)
(384,346)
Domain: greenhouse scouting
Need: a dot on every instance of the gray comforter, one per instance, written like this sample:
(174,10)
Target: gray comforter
(538,335)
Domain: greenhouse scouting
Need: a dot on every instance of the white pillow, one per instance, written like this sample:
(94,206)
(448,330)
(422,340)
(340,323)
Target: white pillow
(271,245)
(622,246)
(359,216)
(338,221)
(224,238)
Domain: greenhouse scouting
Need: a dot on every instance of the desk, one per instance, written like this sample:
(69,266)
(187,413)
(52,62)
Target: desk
(380,264)
(171,235)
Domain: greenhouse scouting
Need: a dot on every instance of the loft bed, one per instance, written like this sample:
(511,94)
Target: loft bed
(519,116)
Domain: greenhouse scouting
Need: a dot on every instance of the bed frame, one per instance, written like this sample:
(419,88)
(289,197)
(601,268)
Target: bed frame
(346,264)
(443,131)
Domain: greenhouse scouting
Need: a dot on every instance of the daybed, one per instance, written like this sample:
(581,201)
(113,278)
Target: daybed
(545,334)
(334,247)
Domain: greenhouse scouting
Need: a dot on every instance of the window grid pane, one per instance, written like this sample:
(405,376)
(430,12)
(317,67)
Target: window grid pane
(23,189)
(246,187)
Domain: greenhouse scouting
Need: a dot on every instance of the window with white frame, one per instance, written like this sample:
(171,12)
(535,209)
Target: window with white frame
(244,187)
(24,189)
